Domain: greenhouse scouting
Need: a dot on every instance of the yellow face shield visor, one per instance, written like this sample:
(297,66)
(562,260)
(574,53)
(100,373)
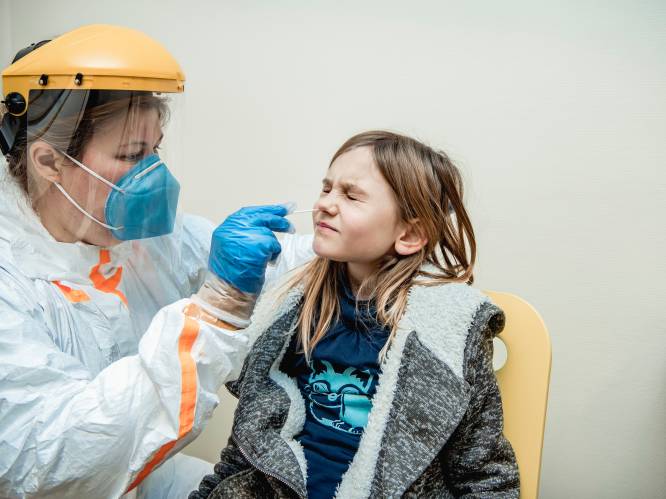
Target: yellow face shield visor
(96,57)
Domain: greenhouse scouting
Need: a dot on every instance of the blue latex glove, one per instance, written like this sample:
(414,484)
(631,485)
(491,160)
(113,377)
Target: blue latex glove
(244,243)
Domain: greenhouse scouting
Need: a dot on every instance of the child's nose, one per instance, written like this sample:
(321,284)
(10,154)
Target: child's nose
(327,204)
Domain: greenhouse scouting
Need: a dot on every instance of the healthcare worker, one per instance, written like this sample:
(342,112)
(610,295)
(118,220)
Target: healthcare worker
(119,319)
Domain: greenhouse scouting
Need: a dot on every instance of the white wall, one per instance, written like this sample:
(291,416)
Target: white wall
(5,32)
(557,115)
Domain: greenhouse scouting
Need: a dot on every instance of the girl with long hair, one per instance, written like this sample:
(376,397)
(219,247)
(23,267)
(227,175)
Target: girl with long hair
(371,371)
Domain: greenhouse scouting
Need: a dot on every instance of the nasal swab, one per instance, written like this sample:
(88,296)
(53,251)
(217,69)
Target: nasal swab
(303,211)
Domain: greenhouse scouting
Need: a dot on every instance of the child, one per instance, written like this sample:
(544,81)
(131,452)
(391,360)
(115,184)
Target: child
(372,375)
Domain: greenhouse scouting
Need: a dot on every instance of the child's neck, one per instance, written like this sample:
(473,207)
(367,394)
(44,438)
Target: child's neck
(357,273)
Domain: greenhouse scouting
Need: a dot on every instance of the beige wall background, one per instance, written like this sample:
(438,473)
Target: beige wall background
(556,113)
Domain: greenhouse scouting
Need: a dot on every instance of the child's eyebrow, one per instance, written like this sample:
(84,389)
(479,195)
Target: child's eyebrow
(345,186)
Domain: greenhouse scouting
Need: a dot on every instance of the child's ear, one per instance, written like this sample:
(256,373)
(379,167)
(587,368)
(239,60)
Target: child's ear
(411,238)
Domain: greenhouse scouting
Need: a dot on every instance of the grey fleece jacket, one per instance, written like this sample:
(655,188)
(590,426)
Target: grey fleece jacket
(435,429)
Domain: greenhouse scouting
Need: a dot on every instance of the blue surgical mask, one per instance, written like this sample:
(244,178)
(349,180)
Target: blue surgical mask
(142,204)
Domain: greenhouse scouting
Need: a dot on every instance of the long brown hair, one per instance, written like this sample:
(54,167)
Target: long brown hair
(428,187)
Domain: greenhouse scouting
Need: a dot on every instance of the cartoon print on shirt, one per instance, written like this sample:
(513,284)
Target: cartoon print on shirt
(337,399)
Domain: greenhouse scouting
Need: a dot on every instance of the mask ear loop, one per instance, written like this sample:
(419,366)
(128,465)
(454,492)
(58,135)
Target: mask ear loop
(94,174)
(78,207)
(98,177)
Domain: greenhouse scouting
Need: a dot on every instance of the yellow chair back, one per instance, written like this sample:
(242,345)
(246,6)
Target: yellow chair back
(523,381)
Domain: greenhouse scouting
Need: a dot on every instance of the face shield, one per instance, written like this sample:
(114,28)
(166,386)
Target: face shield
(90,123)
(106,159)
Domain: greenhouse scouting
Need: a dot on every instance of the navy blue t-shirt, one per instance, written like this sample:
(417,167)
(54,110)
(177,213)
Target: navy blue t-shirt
(338,387)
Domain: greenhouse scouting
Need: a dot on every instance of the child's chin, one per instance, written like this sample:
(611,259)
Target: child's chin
(324,252)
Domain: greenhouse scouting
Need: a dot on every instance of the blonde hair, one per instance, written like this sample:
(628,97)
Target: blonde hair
(428,187)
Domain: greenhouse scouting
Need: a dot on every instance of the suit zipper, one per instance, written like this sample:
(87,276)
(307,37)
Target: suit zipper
(263,470)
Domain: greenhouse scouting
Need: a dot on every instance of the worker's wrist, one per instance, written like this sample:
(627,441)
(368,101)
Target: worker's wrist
(194,311)
(225,302)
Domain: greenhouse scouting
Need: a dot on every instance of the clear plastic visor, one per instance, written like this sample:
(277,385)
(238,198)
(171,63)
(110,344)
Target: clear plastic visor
(104,163)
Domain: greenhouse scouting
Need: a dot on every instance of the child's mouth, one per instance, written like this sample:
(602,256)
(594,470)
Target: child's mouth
(325,226)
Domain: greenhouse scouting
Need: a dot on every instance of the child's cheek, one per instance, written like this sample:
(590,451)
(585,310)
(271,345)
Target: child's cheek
(360,223)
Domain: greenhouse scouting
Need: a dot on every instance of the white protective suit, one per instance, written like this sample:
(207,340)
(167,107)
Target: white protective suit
(102,377)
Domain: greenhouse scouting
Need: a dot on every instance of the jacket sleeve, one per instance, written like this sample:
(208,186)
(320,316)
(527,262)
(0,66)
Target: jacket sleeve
(478,459)
(68,432)
(231,462)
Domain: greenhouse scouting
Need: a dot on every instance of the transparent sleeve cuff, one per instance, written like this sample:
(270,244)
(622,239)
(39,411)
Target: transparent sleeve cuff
(225,302)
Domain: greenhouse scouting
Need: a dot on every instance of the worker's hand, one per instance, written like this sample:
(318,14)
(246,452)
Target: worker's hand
(244,243)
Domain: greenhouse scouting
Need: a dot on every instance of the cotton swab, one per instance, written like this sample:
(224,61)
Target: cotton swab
(303,211)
